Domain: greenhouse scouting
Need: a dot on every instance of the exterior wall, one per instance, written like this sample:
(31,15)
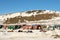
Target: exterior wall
(4,26)
(35,27)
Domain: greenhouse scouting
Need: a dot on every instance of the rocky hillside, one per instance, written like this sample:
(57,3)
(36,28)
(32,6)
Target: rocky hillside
(33,16)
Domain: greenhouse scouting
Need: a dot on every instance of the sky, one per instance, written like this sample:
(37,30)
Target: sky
(12,6)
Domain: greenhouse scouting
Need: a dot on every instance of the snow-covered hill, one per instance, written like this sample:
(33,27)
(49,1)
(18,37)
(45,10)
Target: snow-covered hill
(33,16)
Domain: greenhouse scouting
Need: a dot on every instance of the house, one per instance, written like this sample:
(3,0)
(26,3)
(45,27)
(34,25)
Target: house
(57,26)
(1,26)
